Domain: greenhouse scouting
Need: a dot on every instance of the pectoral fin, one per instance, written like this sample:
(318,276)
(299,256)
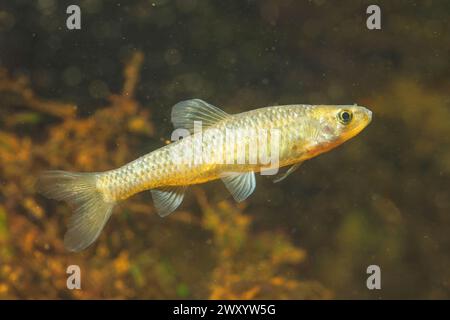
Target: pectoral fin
(283,176)
(240,185)
(167,200)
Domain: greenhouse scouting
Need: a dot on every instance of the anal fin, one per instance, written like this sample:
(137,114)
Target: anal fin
(167,199)
(240,185)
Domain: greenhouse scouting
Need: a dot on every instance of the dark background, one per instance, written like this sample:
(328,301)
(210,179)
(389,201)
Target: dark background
(382,198)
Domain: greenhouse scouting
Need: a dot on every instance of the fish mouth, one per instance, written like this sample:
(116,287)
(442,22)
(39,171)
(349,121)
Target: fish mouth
(368,115)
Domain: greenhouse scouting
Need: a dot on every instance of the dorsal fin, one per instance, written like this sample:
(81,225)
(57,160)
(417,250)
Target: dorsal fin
(184,114)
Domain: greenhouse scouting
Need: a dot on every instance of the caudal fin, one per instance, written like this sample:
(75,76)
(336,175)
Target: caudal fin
(91,210)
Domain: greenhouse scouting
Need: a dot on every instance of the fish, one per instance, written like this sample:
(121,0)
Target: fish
(240,145)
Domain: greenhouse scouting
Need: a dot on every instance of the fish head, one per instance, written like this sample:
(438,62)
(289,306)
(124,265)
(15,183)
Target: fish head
(336,124)
(348,121)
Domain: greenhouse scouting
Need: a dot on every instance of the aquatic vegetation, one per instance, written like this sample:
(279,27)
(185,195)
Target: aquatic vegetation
(253,265)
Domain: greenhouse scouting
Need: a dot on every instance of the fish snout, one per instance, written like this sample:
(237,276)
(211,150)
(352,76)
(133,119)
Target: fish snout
(366,114)
(369,114)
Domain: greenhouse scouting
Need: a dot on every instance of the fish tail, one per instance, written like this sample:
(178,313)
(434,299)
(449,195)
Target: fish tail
(92,211)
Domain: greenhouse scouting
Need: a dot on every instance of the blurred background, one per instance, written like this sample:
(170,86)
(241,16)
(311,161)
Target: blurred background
(96,98)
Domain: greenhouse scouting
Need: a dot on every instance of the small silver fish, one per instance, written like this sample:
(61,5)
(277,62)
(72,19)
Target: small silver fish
(304,131)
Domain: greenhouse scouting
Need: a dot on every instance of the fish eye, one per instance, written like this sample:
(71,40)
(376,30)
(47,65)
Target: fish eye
(345,116)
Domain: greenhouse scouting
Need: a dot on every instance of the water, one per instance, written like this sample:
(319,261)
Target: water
(95,98)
